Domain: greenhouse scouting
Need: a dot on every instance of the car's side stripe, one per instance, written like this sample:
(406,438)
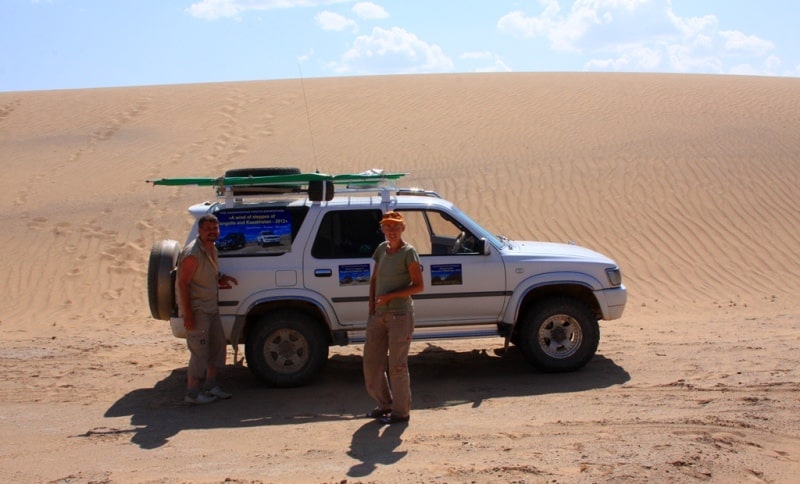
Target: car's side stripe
(419,297)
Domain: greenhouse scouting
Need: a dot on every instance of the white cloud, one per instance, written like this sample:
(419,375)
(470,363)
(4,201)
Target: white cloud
(394,51)
(771,66)
(736,41)
(640,59)
(305,57)
(490,61)
(369,11)
(520,25)
(215,9)
(497,66)
(773,63)
(694,26)
(333,21)
(638,35)
(593,24)
(683,58)
(481,55)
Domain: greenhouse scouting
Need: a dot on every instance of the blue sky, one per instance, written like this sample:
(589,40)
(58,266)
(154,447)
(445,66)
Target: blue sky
(67,44)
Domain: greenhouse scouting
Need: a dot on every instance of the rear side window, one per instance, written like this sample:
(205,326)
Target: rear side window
(346,234)
(258,231)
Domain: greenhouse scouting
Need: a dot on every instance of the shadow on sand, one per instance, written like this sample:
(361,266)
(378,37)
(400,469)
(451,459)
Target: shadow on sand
(440,378)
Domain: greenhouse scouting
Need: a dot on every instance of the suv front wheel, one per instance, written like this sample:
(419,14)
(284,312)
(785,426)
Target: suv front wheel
(286,349)
(558,335)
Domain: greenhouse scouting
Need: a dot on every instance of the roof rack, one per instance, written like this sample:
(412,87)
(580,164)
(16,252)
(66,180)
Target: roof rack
(319,186)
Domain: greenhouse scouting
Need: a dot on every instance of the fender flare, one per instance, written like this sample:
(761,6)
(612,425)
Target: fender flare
(512,311)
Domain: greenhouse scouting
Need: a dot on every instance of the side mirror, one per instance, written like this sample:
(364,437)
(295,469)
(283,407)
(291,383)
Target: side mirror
(483,247)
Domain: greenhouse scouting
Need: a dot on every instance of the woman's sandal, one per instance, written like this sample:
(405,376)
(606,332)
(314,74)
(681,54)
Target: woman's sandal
(393,419)
(378,413)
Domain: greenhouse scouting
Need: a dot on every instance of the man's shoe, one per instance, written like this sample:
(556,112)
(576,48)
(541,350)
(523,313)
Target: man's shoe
(219,393)
(200,399)
(393,419)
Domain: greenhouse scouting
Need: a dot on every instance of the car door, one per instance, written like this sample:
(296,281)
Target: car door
(463,284)
(338,264)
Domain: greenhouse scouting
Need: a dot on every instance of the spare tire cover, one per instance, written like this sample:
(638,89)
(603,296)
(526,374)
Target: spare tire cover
(161,278)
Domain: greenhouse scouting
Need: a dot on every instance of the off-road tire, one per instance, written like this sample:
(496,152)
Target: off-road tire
(286,348)
(161,278)
(558,335)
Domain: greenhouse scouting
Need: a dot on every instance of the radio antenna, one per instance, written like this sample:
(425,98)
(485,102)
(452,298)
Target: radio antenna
(308,118)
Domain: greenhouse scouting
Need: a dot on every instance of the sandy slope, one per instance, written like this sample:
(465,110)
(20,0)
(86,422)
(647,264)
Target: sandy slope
(689,182)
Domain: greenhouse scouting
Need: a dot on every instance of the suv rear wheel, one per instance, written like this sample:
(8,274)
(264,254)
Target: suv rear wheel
(286,349)
(558,335)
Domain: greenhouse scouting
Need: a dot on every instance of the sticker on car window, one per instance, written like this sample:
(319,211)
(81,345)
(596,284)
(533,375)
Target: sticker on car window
(255,231)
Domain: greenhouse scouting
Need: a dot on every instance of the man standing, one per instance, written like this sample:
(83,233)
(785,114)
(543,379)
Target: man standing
(396,277)
(199,281)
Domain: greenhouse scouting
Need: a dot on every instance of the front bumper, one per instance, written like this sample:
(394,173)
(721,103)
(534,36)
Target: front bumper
(615,299)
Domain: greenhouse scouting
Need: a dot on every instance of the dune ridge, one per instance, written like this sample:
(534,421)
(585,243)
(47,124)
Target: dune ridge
(689,182)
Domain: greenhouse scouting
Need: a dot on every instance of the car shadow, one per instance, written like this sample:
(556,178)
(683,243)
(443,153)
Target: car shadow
(439,377)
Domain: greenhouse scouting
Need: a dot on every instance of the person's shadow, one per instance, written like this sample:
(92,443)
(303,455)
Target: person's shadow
(439,378)
(159,413)
(373,444)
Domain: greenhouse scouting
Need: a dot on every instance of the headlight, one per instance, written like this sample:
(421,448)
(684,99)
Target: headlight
(614,276)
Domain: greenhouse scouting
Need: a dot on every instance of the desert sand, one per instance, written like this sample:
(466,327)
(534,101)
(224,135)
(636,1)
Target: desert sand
(691,183)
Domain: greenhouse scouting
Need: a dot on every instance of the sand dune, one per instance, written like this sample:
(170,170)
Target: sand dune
(690,182)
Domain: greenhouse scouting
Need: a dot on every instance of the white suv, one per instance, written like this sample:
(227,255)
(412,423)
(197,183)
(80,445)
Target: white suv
(266,237)
(309,290)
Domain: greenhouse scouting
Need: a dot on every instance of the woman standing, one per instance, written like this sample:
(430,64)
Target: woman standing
(397,275)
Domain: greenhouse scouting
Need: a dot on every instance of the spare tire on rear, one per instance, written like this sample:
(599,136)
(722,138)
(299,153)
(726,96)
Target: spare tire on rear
(161,278)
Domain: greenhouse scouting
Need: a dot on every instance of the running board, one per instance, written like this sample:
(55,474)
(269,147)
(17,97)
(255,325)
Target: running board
(434,333)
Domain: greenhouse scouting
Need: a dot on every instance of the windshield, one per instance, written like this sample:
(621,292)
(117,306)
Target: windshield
(480,231)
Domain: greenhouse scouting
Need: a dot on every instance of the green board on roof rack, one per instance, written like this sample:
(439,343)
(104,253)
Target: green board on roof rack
(291,180)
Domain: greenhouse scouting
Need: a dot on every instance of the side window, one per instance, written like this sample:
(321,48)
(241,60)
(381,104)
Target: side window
(418,232)
(346,234)
(436,233)
(258,231)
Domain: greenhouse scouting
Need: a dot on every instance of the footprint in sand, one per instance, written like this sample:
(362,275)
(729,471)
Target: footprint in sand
(21,199)
(37,223)
(112,293)
(8,108)
(114,125)
(62,228)
(97,231)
